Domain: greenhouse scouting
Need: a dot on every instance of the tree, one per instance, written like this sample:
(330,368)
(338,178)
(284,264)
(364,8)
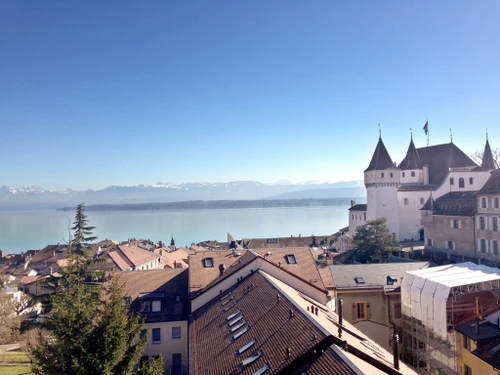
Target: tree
(477,156)
(372,242)
(9,321)
(89,330)
(82,236)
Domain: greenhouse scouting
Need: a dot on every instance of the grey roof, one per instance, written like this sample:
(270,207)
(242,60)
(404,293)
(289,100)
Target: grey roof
(412,159)
(488,162)
(374,275)
(381,159)
(492,186)
(487,330)
(456,203)
(359,207)
(429,205)
(440,158)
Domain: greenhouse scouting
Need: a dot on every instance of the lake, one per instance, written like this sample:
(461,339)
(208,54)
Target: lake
(34,229)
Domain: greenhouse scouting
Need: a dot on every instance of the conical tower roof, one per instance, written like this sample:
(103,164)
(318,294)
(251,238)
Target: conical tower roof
(381,159)
(488,161)
(412,159)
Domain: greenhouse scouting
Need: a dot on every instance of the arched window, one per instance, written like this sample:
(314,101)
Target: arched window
(461,182)
(406,201)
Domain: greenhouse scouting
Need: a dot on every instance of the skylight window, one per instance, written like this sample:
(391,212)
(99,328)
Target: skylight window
(245,347)
(290,259)
(229,307)
(262,370)
(208,262)
(235,328)
(227,295)
(359,280)
(251,359)
(235,321)
(232,315)
(391,279)
(239,334)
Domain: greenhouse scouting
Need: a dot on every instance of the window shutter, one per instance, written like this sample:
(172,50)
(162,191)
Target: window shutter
(459,224)
(354,314)
(368,312)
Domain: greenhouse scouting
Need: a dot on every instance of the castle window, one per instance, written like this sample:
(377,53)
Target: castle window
(452,181)
(413,174)
(482,223)
(494,224)
(405,201)
(482,245)
(461,183)
(484,203)
(391,174)
(364,215)
(496,202)
(402,174)
(382,175)
(422,201)
(450,245)
(494,244)
(471,180)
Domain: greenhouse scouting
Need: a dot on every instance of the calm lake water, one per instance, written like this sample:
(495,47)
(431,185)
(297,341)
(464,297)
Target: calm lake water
(34,229)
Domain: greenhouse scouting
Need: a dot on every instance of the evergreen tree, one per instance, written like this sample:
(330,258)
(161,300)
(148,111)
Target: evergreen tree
(372,242)
(89,330)
(82,235)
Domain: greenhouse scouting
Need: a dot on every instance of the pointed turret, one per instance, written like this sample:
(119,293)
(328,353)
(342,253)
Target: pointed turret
(381,159)
(412,159)
(488,161)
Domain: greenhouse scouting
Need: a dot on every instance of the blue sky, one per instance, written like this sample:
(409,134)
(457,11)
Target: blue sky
(98,93)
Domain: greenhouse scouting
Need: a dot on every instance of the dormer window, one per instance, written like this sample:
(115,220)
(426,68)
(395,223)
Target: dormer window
(208,262)
(461,183)
(382,175)
(156,306)
(402,174)
(452,181)
(412,173)
(290,259)
(359,280)
(390,174)
(391,279)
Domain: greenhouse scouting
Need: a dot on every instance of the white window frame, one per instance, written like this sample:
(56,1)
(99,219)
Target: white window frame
(156,306)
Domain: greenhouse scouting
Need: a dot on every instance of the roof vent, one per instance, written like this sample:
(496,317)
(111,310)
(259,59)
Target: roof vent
(268,254)
(222,268)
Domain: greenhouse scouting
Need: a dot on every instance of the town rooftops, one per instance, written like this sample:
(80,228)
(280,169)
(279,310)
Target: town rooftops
(137,256)
(261,325)
(384,276)
(169,286)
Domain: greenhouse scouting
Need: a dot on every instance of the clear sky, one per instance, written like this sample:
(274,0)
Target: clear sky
(99,93)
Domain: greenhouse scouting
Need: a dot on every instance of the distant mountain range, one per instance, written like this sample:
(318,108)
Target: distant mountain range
(34,197)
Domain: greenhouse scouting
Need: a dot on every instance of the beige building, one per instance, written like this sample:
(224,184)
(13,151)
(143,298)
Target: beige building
(371,297)
(161,297)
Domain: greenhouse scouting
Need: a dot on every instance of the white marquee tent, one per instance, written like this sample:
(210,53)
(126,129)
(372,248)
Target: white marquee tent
(424,292)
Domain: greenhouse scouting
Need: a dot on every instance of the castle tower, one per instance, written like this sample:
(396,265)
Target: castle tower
(488,163)
(381,181)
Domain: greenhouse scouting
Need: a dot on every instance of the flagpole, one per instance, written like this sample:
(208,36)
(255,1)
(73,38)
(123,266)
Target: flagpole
(427,122)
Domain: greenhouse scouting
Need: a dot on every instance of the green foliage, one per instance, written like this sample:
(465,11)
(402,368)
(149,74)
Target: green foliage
(89,330)
(82,231)
(373,242)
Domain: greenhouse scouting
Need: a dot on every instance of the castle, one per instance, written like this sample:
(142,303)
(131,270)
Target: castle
(398,192)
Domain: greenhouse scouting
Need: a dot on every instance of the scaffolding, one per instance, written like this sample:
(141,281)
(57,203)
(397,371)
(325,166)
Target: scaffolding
(434,300)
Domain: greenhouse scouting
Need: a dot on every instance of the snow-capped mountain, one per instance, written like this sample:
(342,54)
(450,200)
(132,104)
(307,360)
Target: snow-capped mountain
(28,197)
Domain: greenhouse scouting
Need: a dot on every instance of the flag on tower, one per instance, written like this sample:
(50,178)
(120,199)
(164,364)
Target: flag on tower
(426,127)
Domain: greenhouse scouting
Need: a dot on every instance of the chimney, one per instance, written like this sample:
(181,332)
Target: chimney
(222,268)
(353,202)
(341,316)
(395,350)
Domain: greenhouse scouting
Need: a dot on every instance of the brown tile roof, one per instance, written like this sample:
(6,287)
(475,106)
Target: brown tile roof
(212,351)
(29,279)
(169,283)
(381,159)
(305,266)
(275,243)
(176,259)
(201,277)
(121,262)
(137,256)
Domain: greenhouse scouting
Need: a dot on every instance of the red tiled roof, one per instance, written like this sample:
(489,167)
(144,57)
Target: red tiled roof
(137,256)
